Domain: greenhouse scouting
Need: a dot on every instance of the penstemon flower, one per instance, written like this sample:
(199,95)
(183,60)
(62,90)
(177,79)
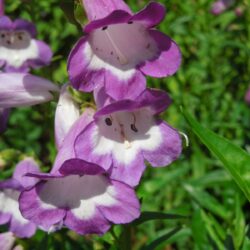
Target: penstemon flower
(20,89)
(125,133)
(82,198)
(9,195)
(19,50)
(120,48)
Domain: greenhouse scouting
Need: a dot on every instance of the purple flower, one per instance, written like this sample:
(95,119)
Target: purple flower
(247,96)
(220,6)
(67,112)
(82,198)
(119,49)
(19,51)
(9,194)
(18,89)
(125,133)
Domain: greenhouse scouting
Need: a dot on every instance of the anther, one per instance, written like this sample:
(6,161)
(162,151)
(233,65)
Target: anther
(133,127)
(104,28)
(130,22)
(3,35)
(108,121)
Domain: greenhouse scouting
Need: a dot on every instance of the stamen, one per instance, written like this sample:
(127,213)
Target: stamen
(130,22)
(126,142)
(108,121)
(185,137)
(132,126)
(2,35)
(120,56)
(104,28)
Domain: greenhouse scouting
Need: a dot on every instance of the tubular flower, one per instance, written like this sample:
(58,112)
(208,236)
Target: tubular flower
(19,50)
(82,198)
(120,48)
(125,133)
(19,89)
(9,193)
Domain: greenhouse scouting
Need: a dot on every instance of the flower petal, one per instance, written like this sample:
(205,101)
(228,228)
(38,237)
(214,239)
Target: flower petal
(85,147)
(21,230)
(167,151)
(96,224)
(81,76)
(67,148)
(129,173)
(5,23)
(117,16)
(24,167)
(20,24)
(156,100)
(127,88)
(98,9)
(67,112)
(9,208)
(80,167)
(35,210)
(168,60)
(151,15)
(128,207)
(44,55)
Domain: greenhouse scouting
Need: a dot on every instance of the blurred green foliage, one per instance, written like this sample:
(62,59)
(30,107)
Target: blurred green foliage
(210,84)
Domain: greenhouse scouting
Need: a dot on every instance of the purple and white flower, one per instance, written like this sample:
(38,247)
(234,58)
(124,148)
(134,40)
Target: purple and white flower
(19,50)
(9,194)
(82,198)
(220,6)
(20,89)
(125,133)
(120,48)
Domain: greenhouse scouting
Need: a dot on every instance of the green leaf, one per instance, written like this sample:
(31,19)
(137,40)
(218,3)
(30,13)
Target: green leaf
(147,216)
(161,239)
(234,159)
(239,225)
(207,201)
